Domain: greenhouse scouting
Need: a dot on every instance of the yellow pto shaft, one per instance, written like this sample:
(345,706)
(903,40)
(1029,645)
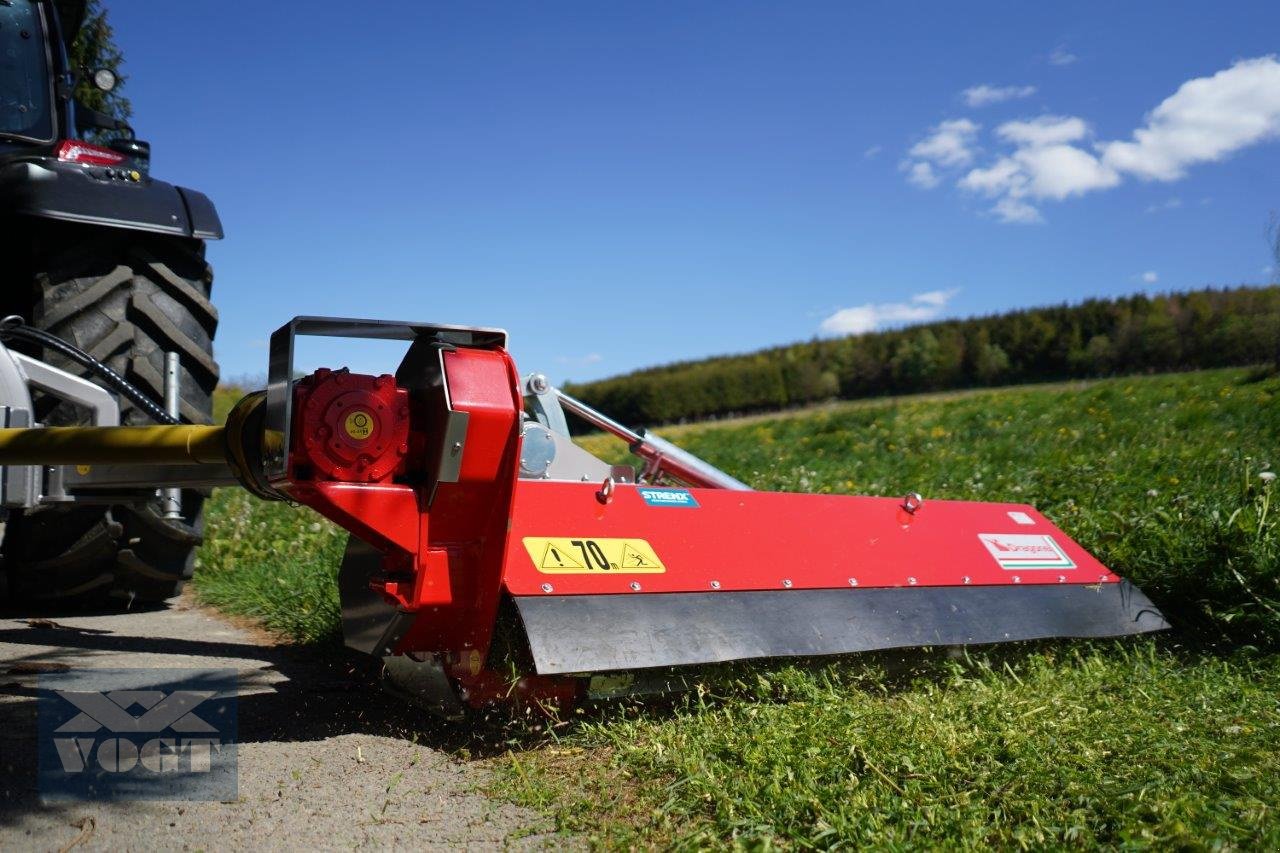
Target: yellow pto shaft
(140,445)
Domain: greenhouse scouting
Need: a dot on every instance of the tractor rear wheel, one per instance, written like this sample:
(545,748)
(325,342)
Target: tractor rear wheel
(126,299)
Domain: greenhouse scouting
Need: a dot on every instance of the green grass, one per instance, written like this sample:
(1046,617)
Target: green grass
(271,562)
(1081,745)
(1172,741)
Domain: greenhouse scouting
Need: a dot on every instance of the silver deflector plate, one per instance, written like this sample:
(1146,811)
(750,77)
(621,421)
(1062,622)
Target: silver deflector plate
(600,633)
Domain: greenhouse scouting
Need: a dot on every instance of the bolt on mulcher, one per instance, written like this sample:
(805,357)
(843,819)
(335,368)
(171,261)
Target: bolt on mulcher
(492,559)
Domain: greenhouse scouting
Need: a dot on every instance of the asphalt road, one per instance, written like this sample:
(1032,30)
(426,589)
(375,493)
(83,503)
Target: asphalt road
(325,759)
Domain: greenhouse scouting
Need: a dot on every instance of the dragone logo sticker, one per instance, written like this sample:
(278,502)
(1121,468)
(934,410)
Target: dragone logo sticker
(1026,551)
(154,734)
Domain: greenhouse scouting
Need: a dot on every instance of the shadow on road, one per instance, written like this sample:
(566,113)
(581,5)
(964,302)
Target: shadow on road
(288,694)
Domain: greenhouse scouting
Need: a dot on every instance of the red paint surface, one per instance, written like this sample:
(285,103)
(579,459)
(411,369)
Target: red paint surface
(449,555)
(760,540)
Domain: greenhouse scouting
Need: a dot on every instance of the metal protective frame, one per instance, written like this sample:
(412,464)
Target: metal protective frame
(280,369)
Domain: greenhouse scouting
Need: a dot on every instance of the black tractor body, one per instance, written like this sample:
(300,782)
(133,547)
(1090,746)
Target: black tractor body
(46,170)
(104,256)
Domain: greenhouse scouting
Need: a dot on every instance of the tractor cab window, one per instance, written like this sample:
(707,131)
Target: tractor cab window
(25,83)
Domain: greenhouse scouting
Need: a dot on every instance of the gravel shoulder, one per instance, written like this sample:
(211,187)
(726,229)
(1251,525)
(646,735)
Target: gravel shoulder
(325,759)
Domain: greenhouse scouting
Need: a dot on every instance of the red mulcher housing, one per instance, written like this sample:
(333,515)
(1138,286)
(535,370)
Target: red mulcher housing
(470,551)
(490,559)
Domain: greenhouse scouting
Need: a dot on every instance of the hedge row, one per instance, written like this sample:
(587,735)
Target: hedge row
(1099,337)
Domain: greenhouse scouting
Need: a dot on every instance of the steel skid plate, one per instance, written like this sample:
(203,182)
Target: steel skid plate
(650,577)
(601,633)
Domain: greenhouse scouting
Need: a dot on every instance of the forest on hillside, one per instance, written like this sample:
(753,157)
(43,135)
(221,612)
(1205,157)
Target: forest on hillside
(1098,337)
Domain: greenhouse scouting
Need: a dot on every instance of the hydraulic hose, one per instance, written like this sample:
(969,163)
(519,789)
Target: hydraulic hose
(12,328)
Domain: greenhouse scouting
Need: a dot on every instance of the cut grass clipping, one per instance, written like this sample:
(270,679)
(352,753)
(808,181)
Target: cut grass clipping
(1173,740)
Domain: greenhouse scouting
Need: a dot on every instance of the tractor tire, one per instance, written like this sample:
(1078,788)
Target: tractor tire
(126,299)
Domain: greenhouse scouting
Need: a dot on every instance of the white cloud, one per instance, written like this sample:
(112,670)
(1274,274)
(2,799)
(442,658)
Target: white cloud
(1016,211)
(948,144)
(1043,130)
(981,96)
(936,298)
(1061,56)
(872,151)
(1172,204)
(1036,173)
(1207,119)
(1061,171)
(1042,167)
(580,360)
(999,178)
(872,316)
(1150,277)
(921,174)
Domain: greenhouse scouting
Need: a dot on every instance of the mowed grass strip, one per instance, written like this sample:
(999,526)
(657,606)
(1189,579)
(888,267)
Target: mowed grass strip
(1171,741)
(1107,744)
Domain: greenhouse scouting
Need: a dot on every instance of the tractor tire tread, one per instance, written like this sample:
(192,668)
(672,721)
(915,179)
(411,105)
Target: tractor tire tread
(126,299)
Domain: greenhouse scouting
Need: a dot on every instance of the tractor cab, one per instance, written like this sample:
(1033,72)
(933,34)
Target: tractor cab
(28,59)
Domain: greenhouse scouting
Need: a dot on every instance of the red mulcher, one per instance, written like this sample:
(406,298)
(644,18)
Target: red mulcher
(491,559)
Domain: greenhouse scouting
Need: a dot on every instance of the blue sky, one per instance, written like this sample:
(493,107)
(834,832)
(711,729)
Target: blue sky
(624,184)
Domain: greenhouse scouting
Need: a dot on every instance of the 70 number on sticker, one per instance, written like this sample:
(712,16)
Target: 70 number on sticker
(564,556)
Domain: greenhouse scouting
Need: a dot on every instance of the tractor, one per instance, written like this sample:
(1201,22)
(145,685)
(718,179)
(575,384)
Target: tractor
(102,255)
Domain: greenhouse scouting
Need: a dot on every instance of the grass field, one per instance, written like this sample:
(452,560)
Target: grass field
(1170,741)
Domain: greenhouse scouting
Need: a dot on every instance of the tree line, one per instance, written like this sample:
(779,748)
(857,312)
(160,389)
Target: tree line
(1098,337)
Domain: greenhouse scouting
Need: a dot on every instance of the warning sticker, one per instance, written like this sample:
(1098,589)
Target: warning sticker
(358,425)
(557,556)
(1025,551)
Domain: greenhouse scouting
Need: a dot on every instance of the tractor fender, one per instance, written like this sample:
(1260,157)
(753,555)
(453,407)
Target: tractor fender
(73,192)
(201,213)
